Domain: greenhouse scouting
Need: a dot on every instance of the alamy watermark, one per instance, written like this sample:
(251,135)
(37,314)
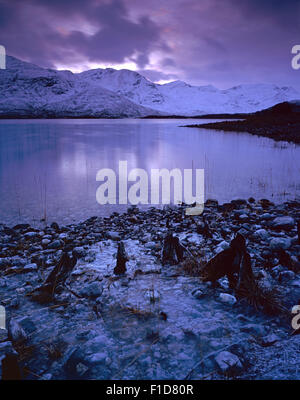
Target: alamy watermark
(296,58)
(2,317)
(137,187)
(296,318)
(2,57)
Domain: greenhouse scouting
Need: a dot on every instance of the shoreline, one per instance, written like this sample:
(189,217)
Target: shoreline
(98,322)
(167,116)
(289,133)
(280,122)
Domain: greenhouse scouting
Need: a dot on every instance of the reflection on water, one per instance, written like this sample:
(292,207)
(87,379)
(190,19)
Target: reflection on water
(48,167)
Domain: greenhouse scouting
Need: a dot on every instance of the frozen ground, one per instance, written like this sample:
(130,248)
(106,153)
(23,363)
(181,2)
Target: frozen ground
(156,322)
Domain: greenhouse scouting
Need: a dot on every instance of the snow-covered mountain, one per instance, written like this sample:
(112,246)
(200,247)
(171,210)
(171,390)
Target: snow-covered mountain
(28,90)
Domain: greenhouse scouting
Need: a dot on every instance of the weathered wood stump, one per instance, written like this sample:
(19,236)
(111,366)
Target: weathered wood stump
(57,276)
(172,252)
(10,368)
(246,276)
(122,258)
(298,230)
(203,229)
(226,263)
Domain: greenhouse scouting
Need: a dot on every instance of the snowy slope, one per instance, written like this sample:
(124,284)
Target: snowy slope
(28,90)
(180,98)
(193,100)
(127,83)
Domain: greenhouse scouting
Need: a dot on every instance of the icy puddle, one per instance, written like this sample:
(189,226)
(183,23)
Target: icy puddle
(155,326)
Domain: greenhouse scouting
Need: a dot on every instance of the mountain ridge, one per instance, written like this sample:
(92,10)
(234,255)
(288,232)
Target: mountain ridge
(28,90)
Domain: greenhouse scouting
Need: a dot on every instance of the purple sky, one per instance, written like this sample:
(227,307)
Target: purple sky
(219,42)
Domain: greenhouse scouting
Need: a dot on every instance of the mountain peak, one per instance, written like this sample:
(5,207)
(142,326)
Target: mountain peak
(27,87)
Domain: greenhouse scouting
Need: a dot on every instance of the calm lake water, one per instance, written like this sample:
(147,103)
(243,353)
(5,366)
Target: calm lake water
(48,167)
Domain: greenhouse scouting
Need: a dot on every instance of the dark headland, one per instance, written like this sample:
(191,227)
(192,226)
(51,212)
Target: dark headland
(280,122)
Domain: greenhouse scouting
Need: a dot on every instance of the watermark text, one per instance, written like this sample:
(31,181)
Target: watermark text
(161,186)
(2,57)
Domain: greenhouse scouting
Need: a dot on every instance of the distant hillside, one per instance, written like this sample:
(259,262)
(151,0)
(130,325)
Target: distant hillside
(280,122)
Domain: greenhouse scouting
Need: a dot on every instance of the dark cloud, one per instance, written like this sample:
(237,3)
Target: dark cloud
(201,41)
(40,40)
(168,62)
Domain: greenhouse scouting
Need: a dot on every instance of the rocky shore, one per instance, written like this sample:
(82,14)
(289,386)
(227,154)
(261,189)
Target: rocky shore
(281,123)
(272,129)
(156,320)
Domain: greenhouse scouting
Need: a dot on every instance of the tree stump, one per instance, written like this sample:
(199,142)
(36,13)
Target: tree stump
(246,276)
(122,258)
(62,270)
(10,368)
(172,252)
(57,276)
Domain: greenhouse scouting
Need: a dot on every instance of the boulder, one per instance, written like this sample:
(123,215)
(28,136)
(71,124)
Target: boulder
(228,363)
(112,235)
(261,234)
(30,267)
(198,293)
(284,222)
(56,244)
(227,298)
(280,243)
(286,276)
(270,339)
(79,252)
(92,290)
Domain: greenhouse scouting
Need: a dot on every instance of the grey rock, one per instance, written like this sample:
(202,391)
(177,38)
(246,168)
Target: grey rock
(228,363)
(261,234)
(79,252)
(30,267)
(16,332)
(283,222)
(98,358)
(47,377)
(280,243)
(269,339)
(150,245)
(6,348)
(276,271)
(63,236)
(30,235)
(112,235)
(56,244)
(76,366)
(244,232)
(227,298)
(238,213)
(296,283)
(243,217)
(224,245)
(27,324)
(286,276)
(92,290)
(3,335)
(15,302)
(266,216)
(198,294)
